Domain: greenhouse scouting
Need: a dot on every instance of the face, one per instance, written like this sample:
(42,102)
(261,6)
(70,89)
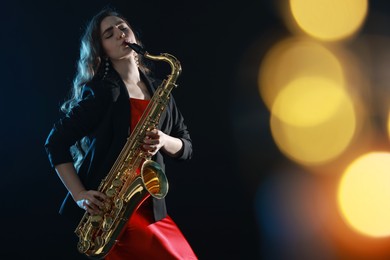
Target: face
(115,32)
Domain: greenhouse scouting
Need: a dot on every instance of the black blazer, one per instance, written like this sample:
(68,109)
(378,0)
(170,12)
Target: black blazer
(103,115)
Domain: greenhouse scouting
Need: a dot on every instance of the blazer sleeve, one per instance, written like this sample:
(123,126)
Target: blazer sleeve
(180,130)
(79,122)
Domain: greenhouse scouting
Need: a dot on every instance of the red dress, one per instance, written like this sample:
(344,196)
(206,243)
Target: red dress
(143,238)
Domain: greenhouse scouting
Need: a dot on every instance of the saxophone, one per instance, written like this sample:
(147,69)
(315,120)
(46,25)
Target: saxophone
(125,188)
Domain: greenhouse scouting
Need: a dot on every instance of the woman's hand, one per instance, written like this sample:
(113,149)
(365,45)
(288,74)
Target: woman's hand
(154,141)
(91,201)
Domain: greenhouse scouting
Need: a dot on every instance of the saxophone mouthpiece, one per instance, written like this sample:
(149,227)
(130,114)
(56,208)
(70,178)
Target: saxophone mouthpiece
(138,49)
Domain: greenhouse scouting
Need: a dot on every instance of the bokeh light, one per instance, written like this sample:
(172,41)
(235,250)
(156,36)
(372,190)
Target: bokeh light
(364,194)
(308,101)
(294,58)
(329,19)
(388,124)
(320,143)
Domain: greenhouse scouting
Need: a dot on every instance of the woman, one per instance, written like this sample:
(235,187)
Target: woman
(110,91)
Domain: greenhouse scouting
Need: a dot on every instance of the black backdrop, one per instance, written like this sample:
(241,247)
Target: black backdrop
(210,197)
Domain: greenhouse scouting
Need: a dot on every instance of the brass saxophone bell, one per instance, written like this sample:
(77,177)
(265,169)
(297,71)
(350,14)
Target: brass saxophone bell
(154,179)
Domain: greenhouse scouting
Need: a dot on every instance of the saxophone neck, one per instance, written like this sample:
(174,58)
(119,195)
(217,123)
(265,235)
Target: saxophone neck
(170,59)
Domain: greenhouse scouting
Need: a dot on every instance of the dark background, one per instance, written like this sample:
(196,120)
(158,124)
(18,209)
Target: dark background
(211,197)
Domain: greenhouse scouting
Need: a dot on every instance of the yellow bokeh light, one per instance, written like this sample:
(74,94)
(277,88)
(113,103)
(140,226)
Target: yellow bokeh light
(329,19)
(321,142)
(364,194)
(294,58)
(308,101)
(388,124)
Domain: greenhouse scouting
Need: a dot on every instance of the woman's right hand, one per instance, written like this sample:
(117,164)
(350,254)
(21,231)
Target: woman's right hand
(91,201)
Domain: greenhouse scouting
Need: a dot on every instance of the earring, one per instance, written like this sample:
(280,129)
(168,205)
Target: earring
(136,59)
(106,67)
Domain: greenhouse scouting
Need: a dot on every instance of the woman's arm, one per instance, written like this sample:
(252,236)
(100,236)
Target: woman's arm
(90,200)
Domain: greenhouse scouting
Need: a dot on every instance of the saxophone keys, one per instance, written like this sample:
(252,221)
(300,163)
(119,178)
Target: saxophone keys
(119,203)
(99,242)
(110,192)
(83,246)
(95,220)
(107,223)
(117,182)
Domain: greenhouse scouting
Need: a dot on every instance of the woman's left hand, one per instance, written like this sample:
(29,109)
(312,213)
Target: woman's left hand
(154,141)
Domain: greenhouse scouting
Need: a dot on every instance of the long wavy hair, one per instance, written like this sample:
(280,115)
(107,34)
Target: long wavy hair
(89,65)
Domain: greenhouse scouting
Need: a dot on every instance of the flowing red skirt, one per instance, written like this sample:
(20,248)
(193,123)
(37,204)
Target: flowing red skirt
(143,238)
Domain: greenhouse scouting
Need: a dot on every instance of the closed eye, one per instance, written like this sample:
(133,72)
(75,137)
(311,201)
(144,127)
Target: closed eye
(108,36)
(108,33)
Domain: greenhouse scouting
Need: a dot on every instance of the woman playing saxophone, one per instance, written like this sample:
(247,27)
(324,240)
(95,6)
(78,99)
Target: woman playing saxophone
(110,91)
